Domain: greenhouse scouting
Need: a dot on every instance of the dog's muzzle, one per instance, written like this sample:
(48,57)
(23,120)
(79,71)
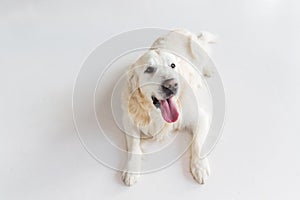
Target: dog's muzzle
(169,87)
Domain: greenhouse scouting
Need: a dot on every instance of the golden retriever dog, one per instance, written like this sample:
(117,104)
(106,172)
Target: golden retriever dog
(165,93)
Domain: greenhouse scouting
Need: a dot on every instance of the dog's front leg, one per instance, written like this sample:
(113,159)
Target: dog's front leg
(200,166)
(134,156)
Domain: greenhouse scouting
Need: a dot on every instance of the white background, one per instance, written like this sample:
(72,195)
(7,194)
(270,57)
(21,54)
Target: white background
(43,44)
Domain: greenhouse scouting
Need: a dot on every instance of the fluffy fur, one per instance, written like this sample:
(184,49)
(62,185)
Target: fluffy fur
(145,93)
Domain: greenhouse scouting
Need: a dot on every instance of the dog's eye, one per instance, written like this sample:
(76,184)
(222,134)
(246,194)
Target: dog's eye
(173,65)
(150,69)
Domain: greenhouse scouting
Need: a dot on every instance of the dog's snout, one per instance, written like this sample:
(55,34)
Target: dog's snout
(170,86)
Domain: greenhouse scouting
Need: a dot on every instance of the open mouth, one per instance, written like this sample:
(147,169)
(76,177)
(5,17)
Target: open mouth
(155,102)
(168,108)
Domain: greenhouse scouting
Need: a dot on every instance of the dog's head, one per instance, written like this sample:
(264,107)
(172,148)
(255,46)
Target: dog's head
(155,78)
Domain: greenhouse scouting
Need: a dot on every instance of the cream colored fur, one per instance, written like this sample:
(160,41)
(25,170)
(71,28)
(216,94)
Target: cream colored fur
(141,117)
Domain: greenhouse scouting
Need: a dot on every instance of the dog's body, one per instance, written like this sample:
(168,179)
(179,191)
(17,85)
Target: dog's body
(165,93)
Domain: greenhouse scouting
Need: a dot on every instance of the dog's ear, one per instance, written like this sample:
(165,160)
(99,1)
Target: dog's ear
(132,79)
(138,105)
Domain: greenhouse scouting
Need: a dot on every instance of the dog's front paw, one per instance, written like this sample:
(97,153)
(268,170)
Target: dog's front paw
(200,170)
(129,178)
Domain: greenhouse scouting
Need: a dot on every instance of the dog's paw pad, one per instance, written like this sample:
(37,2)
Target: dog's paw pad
(200,171)
(129,178)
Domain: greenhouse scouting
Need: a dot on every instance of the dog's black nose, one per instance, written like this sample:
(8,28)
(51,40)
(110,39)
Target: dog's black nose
(170,86)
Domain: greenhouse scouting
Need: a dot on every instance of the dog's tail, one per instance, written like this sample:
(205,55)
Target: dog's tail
(204,40)
(207,37)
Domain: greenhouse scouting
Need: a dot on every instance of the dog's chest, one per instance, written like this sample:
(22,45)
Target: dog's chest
(157,126)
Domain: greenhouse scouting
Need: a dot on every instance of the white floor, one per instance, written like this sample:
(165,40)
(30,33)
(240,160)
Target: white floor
(43,45)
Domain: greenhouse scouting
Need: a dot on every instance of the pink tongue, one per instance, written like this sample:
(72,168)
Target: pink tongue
(169,110)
